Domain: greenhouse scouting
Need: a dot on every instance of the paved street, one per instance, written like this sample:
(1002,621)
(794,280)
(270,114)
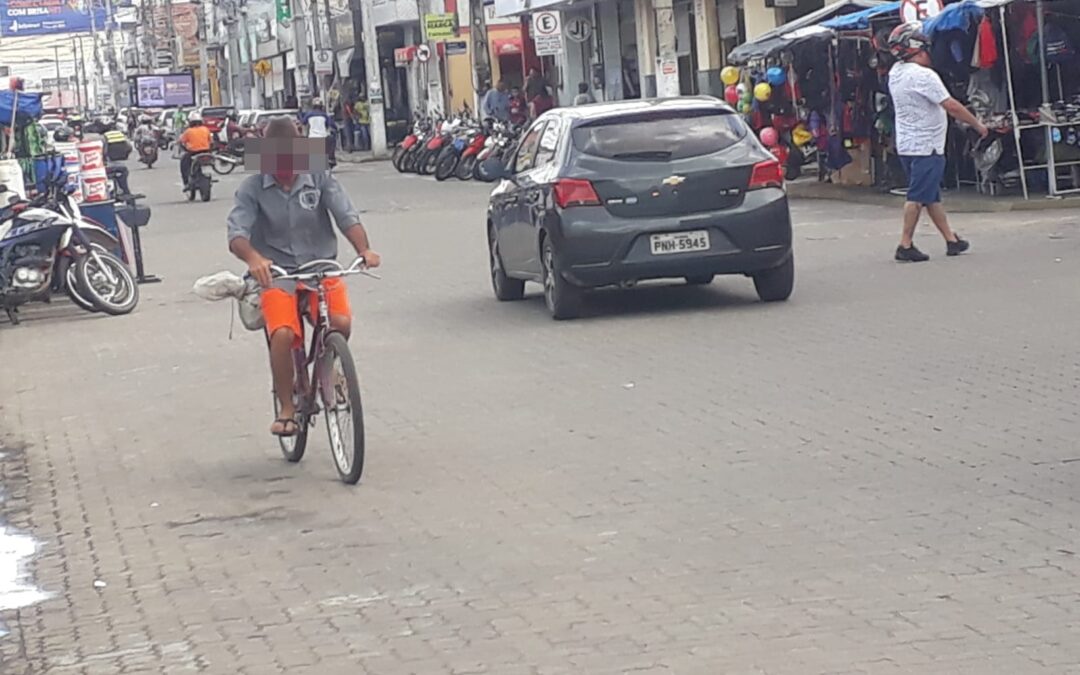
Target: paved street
(880,476)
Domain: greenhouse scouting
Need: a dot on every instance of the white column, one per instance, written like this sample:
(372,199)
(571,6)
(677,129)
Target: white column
(374,79)
(667,71)
(645,22)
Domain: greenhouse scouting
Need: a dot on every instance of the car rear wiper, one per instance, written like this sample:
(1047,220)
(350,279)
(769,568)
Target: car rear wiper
(643,154)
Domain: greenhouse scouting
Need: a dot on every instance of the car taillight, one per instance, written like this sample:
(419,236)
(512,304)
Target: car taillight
(766,174)
(575,192)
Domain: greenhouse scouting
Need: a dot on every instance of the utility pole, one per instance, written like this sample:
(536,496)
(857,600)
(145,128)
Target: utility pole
(59,92)
(228,49)
(204,67)
(373,77)
(481,57)
(300,48)
(114,68)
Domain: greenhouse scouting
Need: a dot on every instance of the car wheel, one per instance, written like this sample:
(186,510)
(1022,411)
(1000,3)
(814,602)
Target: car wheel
(776,284)
(563,299)
(700,279)
(505,288)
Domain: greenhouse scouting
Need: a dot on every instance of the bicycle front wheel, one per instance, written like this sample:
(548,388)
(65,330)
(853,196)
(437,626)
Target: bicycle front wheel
(344,412)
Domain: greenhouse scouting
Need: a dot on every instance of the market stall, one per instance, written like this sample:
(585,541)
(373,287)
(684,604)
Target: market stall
(826,102)
(1011,61)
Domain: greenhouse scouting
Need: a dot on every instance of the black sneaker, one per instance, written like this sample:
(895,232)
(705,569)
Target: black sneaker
(911,254)
(956,247)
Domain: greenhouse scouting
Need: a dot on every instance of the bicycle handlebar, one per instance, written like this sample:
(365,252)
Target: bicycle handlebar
(357,267)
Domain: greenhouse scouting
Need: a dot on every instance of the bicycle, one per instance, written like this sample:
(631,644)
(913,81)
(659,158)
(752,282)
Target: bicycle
(338,388)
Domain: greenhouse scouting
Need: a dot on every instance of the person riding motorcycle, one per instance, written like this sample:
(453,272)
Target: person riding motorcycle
(195,140)
(146,131)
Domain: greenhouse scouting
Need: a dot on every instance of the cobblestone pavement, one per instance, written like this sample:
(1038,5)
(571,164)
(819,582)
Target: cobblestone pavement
(879,476)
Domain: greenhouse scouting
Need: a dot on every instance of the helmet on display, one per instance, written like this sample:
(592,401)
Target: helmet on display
(907,40)
(775,76)
(62,134)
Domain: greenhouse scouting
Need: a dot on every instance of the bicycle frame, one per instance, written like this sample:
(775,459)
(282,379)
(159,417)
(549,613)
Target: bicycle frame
(312,282)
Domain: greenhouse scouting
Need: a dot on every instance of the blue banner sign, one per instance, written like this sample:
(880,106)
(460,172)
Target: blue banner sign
(49,17)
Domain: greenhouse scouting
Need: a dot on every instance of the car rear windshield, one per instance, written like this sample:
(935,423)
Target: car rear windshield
(660,136)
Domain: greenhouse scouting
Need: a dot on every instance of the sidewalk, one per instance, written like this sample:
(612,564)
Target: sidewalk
(956,201)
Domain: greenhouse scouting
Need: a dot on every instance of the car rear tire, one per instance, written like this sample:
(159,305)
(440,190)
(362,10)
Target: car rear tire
(700,279)
(506,289)
(563,299)
(775,285)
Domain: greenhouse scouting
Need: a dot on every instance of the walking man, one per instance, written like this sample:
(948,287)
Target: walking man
(496,103)
(923,106)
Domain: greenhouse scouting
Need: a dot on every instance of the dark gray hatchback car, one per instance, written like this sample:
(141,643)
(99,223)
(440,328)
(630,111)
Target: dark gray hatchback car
(615,193)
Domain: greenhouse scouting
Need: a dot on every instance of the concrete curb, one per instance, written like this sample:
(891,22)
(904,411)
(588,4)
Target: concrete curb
(359,158)
(954,202)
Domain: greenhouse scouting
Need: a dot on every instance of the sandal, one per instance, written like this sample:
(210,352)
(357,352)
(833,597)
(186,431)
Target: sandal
(286,431)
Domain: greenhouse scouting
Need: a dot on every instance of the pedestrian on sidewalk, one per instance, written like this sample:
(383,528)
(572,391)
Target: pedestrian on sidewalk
(923,106)
(321,125)
(584,97)
(362,127)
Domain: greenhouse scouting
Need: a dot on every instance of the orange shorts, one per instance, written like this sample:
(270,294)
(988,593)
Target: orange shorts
(281,309)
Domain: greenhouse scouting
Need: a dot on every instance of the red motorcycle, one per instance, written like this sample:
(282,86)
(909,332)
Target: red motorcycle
(429,156)
(467,163)
(408,144)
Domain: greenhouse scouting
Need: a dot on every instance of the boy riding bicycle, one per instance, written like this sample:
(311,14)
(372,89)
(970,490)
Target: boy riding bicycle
(282,216)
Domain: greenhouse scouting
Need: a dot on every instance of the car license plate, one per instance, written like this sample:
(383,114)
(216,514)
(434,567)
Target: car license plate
(679,242)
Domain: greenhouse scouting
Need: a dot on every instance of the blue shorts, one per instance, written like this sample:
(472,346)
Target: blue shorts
(924,174)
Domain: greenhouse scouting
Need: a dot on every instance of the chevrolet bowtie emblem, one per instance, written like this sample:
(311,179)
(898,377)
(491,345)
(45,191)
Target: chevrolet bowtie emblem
(673,180)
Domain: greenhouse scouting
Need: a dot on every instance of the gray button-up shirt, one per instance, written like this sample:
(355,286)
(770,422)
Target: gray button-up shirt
(292,228)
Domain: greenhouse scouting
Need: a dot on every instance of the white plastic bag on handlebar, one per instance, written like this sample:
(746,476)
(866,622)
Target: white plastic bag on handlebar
(219,286)
(246,292)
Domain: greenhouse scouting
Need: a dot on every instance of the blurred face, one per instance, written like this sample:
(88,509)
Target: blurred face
(285,158)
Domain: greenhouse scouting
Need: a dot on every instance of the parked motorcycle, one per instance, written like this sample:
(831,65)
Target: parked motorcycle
(148,152)
(45,245)
(420,129)
(469,138)
(200,181)
(499,146)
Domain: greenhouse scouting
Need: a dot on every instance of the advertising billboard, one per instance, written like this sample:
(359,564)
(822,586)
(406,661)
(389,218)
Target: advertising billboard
(49,17)
(164,91)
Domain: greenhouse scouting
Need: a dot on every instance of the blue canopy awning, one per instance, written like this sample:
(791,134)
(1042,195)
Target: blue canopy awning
(957,16)
(861,20)
(29,106)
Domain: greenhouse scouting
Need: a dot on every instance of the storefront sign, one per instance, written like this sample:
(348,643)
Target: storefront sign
(919,10)
(403,56)
(324,62)
(456,48)
(283,10)
(578,29)
(439,27)
(48,17)
(667,76)
(547,33)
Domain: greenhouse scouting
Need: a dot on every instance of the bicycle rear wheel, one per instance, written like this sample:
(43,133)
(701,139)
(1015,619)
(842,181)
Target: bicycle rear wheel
(344,413)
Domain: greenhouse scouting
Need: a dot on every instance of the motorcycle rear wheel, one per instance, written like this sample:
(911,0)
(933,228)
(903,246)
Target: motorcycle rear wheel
(446,166)
(428,162)
(223,167)
(465,168)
